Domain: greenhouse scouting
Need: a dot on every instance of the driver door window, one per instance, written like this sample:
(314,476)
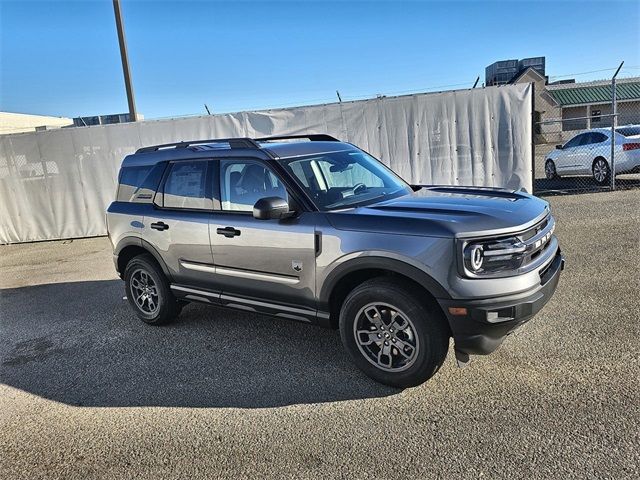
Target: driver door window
(244,182)
(574,142)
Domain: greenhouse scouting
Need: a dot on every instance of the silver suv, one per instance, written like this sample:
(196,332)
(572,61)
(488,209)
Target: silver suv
(312,229)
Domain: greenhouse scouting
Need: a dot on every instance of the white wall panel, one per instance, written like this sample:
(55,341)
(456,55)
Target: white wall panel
(58,183)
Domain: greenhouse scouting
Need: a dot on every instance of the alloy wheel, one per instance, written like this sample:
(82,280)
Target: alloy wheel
(600,170)
(144,291)
(386,337)
(550,170)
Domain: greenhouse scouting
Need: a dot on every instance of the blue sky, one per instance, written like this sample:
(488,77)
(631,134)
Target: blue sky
(62,58)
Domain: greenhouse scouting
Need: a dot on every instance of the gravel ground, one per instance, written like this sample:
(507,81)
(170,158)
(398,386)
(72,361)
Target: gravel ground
(88,391)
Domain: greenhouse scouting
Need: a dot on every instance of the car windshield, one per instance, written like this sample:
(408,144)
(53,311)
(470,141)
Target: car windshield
(629,131)
(345,179)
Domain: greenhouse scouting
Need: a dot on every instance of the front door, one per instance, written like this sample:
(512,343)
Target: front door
(262,265)
(569,156)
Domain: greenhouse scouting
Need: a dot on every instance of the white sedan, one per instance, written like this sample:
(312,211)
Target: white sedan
(589,153)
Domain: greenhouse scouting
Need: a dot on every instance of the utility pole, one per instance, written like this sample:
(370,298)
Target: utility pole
(614,122)
(133,115)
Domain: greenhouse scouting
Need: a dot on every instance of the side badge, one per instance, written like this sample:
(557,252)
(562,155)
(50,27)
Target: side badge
(296,265)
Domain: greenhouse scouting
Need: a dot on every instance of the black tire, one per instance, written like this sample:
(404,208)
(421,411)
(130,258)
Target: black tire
(601,171)
(168,308)
(431,331)
(550,170)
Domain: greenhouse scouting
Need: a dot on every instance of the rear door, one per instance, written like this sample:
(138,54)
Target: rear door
(597,147)
(262,265)
(178,225)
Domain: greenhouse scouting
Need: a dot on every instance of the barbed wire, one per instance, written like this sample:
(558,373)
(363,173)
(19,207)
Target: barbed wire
(351,98)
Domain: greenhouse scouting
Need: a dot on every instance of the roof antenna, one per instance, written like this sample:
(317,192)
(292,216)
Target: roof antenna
(339,97)
(207,109)
(477,80)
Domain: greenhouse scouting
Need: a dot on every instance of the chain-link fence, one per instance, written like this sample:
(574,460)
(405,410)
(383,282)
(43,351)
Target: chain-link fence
(596,131)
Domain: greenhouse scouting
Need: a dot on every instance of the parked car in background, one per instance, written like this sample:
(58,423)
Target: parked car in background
(589,153)
(312,229)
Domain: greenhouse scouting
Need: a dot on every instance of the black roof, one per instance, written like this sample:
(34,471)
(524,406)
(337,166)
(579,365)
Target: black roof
(265,148)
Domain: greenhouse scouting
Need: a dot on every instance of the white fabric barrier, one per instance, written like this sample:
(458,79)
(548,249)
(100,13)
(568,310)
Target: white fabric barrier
(57,184)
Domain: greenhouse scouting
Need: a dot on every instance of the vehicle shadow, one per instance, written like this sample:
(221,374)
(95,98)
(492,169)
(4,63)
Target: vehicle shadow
(80,344)
(575,185)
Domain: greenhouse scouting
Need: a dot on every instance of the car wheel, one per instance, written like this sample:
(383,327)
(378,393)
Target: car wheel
(550,170)
(601,171)
(392,334)
(148,291)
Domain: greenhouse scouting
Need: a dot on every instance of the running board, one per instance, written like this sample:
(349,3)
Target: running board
(300,314)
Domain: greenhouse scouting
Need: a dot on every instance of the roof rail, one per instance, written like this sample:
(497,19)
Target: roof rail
(313,137)
(233,143)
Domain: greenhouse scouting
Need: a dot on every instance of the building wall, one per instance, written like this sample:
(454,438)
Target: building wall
(545,108)
(22,122)
(629,113)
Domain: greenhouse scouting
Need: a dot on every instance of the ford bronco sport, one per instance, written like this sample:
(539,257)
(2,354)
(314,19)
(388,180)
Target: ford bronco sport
(312,229)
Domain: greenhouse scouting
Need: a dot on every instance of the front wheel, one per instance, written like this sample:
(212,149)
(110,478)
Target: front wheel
(550,170)
(601,171)
(392,334)
(148,291)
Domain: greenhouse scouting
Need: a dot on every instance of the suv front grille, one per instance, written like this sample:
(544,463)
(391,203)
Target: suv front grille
(537,240)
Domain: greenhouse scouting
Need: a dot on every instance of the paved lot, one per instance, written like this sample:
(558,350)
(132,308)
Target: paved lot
(88,391)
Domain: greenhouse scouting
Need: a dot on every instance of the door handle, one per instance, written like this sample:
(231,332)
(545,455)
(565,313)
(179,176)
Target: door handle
(159,226)
(228,232)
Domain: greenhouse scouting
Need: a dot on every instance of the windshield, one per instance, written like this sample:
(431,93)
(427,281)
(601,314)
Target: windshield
(345,179)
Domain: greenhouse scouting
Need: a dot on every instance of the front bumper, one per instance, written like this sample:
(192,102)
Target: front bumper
(488,321)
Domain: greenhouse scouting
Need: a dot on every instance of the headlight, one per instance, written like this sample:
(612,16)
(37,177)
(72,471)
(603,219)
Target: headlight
(493,256)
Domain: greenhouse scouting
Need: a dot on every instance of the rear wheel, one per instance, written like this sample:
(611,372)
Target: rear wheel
(148,291)
(392,334)
(601,171)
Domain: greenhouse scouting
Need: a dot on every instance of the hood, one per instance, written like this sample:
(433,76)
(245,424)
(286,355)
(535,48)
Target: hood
(446,212)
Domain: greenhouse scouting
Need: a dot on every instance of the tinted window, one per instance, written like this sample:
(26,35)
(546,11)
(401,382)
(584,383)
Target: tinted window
(598,137)
(185,186)
(143,180)
(628,131)
(244,182)
(134,176)
(586,139)
(574,142)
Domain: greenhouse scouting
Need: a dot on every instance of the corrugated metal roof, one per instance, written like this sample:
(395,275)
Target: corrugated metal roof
(595,94)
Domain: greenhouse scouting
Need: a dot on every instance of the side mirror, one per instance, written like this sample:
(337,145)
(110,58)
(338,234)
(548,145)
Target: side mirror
(559,147)
(270,208)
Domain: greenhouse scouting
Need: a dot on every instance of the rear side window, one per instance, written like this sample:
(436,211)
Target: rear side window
(138,184)
(134,176)
(587,139)
(598,137)
(628,131)
(185,186)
